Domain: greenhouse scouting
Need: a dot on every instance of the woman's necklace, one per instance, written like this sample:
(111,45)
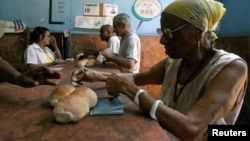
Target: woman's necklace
(177,94)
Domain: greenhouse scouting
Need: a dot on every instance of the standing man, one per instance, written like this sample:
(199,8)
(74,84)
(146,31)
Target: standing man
(129,56)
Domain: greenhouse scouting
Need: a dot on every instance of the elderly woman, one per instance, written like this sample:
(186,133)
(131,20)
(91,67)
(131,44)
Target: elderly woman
(201,85)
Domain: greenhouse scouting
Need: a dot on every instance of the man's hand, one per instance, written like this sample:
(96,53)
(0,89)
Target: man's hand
(38,76)
(108,54)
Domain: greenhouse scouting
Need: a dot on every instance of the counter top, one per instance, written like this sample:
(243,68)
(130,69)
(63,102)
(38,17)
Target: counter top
(27,115)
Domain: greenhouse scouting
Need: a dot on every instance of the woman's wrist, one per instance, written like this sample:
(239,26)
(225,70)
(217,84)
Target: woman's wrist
(154,108)
(138,93)
(101,76)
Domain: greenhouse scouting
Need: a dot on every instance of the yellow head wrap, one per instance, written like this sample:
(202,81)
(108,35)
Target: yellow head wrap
(213,36)
(203,14)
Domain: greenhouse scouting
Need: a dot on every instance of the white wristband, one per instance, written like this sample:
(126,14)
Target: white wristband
(136,98)
(154,108)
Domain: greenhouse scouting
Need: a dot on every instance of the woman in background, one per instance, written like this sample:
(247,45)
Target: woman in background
(38,53)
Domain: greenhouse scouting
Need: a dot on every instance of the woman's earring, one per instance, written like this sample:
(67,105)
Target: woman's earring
(199,44)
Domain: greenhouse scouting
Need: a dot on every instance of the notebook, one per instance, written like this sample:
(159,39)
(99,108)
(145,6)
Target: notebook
(108,106)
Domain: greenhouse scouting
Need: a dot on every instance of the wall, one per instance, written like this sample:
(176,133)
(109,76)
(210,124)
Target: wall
(236,21)
(12,47)
(36,13)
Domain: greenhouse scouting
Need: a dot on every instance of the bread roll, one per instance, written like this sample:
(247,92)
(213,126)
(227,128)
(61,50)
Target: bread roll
(71,108)
(87,94)
(82,62)
(75,106)
(91,62)
(60,92)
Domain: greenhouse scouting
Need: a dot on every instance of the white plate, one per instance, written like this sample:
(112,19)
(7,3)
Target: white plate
(56,68)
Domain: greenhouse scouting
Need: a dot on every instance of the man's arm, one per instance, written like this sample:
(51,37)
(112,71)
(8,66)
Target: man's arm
(153,75)
(7,71)
(34,77)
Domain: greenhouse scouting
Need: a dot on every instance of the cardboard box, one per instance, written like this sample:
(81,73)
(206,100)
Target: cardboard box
(100,9)
(91,9)
(109,10)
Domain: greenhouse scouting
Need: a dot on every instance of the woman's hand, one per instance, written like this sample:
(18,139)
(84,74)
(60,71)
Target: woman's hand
(83,74)
(116,84)
(59,61)
(53,41)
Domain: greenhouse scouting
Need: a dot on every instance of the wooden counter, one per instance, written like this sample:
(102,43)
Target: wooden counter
(26,115)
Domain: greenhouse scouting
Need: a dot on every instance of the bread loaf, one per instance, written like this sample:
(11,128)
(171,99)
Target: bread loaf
(75,106)
(87,94)
(91,62)
(82,62)
(60,92)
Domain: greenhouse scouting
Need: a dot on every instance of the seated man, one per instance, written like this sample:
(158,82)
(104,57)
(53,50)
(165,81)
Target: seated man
(106,34)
